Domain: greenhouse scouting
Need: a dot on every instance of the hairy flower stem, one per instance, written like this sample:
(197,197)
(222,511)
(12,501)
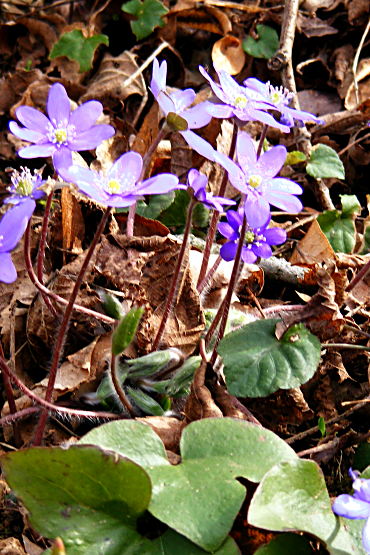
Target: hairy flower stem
(225,307)
(59,344)
(262,138)
(10,398)
(171,299)
(117,386)
(146,161)
(208,277)
(50,406)
(216,215)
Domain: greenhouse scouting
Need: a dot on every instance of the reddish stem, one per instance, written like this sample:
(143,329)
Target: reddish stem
(41,251)
(11,401)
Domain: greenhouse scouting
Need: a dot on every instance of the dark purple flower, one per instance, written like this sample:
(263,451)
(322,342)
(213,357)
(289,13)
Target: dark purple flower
(178,102)
(121,185)
(356,506)
(258,240)
(255,178)
(241,102)
(63,132)
(12,227)
(25,185)
(198,183)
(280,98)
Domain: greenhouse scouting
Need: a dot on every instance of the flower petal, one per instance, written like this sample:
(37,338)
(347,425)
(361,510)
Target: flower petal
(257,210)
(26,134)
(259,115)
(14,223)
(366,536)
(37,151)
(86,115)
(220,110)
(284,201)
(235,219)
(198,116)
(159,76)
(248,255)
(246,152)
(228,251)
(58,104)
(270,162)
(346,505)
(262,249)
(62,159)
(182,99)
(162,183)
(127,167)
(199,145)
(33,119)
(215,87)
(166,104)
(8,273)
(275,236)
(91,138)
(284,185)
(227,231)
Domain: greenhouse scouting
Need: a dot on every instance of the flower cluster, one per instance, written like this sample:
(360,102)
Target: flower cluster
(356,506)
(64,131)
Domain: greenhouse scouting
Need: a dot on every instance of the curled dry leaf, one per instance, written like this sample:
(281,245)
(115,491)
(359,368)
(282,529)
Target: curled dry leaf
(363,81)
(314,248)
(200,403)
(228,55)
(167,428)
(206,18)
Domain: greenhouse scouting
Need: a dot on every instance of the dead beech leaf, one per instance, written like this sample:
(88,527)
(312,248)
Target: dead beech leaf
(228,55)
(109,82)
(314,26)
(167,428)
(206,18)
(200,403)
(363,80)
(72,222)
(319,102)
(142,268)
(314,248)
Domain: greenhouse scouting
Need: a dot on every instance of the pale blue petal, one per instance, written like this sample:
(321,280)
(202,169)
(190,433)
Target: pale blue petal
(248,255)
(227,231)
(199,145)
(263,250)
(346,505)
(198,116)
(228,251)
(257,210)
(91,138)
(127,167)
(33,119)
(270,162)
(86,115)
(284,185)
(159,76)
(284,201)
(58,104)
(37,151)
(165,103)
(215,87)
(220,110)
(14,223)
(26,134)
(275,236)
(62,159)
(183,99)
(259,115)
(246,151)
(8,273)
(235,219)
(162,183)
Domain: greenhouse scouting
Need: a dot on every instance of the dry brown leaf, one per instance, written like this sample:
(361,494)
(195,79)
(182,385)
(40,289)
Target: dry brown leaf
(72,222)
(363,80)
(200,403)
(167,428)
(314,26)
(314,248)
(318,102)
(11,546)
(206,18)
(228,55)
(357,9)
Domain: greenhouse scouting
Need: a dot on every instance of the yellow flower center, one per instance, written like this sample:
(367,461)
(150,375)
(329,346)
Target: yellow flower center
(60,135)
(240,101)
(255,181)
(24,188)
(114,186)
(249,237)
(275,97)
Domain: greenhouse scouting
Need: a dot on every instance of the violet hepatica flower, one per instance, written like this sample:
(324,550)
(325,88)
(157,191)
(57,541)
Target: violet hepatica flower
(241,102)
(280,98)
(12,227)
(198,183)
(258,240)
(121,185)
(255,178)
(25,186)
(356,506)
(63,132)
(179,102)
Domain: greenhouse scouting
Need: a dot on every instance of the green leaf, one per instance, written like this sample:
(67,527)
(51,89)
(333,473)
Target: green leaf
(155,205)
(324,162)
(257,364)
(366,239)
(293,496)
(183,377)
(145,402)
(339,226)
(175,215)
(125,331)
(111,305)
(149,16)
(286,543)
(361,459)
(200,497)
(322,426)
(265,45)
(295,157)
(77,47)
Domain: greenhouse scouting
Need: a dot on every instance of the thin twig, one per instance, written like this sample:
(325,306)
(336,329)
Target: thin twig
(356,59)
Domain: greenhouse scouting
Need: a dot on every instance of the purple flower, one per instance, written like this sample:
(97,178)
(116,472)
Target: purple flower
(241,102)
(178,102)
(121,185)
(257,239)
(12,227)
(25,185)
(255,177)
(280,98)
(356,506)
(63,132)
(198,183)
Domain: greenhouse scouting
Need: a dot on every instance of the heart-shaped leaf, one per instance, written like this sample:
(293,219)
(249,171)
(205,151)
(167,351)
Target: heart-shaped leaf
(293,496)
(286,543)
(257,364)
(339,226)
(265,45)
(200,497)
(324,162)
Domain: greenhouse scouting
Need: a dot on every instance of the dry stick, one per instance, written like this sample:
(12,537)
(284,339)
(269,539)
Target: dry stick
(74,412)
(51,294)
(315,429)
(282,61)
(346,346)
(355,61)
(117,386)
(216,215)
(359,276)
(10,398)
(171,299)
(229,293)
(58,347)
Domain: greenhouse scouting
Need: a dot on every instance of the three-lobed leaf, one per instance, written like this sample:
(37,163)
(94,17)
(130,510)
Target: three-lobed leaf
(339,226)
(75,46)
(148,13)
(257,364)
(324,162)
